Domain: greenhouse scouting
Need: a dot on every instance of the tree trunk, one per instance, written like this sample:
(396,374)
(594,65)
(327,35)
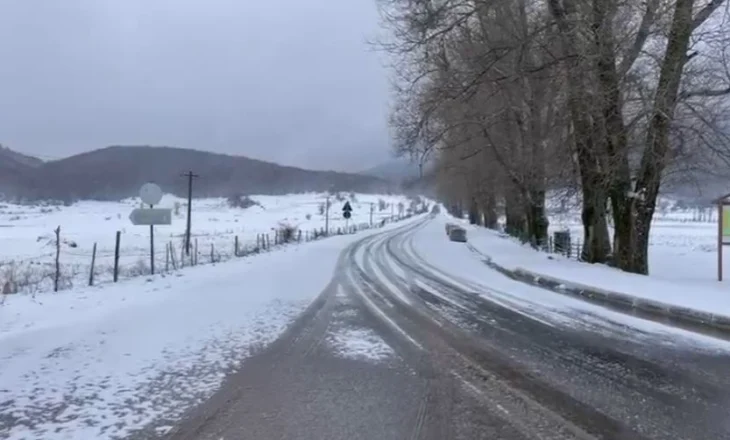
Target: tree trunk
(640,261)
(596,245)
(613,134)
(489,210)
(474,217)
(653,161)
(537,221)
(624,238)
(588,149)
(515,224)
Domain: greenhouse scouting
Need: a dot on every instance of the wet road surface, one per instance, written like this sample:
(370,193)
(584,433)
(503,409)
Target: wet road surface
(464,367)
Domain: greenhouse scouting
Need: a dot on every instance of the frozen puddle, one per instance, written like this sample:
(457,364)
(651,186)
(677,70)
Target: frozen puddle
(360,344)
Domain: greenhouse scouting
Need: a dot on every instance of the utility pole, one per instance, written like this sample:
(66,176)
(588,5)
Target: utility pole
(190,177)
(152,247)
(327,217)
(372,206)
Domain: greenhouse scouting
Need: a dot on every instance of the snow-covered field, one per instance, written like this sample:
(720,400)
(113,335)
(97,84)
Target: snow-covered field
(683,243)
(28,244)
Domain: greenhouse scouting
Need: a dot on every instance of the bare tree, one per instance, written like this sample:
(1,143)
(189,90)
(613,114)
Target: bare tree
(515,97)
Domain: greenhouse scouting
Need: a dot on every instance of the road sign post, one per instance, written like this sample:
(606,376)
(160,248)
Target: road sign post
(151,194)
(723,229)
(151,216)
(347,213)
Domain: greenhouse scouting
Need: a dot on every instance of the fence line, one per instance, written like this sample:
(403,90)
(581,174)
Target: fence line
(45,272)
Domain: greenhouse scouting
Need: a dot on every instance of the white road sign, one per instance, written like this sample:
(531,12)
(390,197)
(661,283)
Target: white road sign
(151,216)
(150,193)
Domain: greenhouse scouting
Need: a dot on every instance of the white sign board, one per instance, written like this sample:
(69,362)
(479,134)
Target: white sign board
(151,216)
(150,193)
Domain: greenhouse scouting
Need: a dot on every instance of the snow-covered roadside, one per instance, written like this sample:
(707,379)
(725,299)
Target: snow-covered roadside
(99,363)
(682,289)
(465,268)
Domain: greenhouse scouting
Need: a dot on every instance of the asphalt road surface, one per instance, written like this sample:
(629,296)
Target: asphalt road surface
(465,368)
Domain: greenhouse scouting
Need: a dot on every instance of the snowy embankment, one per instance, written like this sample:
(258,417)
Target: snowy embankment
(28,243)
(96,363)
(682,264)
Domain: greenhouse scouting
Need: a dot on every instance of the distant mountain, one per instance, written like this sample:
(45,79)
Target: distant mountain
(396,170)
(117,172)
(14,167)
(15,160)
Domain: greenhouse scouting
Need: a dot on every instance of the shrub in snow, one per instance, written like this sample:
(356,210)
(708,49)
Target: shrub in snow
(321,209)
(9,288)
(33,277)
(138,269)
(241,201)
(287,233)
(382,205)
(308,216)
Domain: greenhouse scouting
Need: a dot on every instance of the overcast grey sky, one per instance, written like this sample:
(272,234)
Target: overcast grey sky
(291,81)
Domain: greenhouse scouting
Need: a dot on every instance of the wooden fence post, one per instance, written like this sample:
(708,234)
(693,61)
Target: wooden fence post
(182,255)
(212,253)
(172,255)
(195,261)
(116,256)
(93,262)
(58,257)
(167,258)
(235,247)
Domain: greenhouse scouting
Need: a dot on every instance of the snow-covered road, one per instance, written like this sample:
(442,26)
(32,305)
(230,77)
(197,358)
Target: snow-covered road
(469,354)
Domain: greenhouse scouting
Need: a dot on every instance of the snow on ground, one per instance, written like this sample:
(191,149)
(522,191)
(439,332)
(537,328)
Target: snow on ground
(465,268)
(683,269)
(682,258)
(99,363)
(349,337)
(359,343)
(683,240)
(27,241)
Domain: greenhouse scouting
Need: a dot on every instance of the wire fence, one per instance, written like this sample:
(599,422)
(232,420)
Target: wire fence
(70,266)
(568,248)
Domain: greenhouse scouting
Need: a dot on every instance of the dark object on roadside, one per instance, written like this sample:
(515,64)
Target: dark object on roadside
(241,201)
(457,234)
(347,210)
(561,243)
(436,209)
(450,226)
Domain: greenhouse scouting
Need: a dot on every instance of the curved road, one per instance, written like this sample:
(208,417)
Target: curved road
(467,366)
